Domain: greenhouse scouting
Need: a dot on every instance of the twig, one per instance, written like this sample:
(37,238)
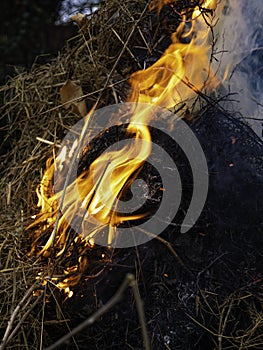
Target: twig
(9,191)
(129,281)
(14,315)
(48,142)
(22,320)
(140,310)
(80,98)
(43,317)
(132,55)
(223,322)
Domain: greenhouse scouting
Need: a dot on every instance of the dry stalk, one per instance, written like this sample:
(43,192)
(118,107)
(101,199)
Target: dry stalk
(128,281)
(9,334)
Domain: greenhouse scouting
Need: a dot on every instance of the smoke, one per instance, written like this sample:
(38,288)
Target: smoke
(239,51)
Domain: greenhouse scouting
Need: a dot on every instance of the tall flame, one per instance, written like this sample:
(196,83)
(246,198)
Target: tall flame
(182,70)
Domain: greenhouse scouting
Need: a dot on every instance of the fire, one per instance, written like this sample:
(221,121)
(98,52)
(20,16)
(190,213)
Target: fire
(166,83)
(182,70)
(93,190)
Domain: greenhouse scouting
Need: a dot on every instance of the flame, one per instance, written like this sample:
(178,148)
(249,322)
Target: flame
(94,192)
(184,67)
(182,70)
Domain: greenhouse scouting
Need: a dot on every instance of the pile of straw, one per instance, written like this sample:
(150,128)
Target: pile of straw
(120,38)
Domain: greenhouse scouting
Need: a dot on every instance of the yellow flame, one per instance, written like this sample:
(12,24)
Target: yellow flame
(182,70)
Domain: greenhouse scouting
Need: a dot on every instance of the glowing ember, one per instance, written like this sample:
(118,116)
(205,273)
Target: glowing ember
(182,70)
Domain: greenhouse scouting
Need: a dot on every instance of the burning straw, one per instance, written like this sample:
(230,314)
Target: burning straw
(170,81)
(40,106)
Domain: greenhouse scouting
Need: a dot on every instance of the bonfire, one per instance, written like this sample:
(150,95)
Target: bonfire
(132,196)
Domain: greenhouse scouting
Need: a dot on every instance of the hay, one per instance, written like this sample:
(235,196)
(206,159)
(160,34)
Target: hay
(120,38)
(33,119)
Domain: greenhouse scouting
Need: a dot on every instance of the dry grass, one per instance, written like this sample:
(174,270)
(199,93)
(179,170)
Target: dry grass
(34,120)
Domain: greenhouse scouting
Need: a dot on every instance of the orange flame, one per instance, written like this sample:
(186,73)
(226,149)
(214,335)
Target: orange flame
(184,67)
(182,70)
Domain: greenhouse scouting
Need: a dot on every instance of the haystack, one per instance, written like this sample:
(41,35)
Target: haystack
(200,290)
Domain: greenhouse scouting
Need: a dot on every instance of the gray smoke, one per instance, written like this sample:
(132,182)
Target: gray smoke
(239,46)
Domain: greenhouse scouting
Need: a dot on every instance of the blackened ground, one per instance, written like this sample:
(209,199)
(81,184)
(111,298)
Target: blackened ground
(218,291)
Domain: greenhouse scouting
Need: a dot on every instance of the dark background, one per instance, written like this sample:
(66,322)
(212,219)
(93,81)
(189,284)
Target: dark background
(35,30)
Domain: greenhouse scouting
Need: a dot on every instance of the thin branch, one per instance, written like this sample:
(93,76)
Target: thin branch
(21,321)
(129,281)
(20,306)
